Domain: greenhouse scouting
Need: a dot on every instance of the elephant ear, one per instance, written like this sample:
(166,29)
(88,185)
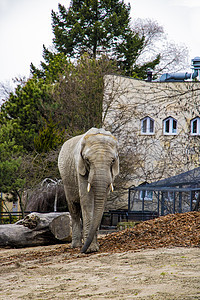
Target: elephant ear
(81,163)
(81,166)
(115,167)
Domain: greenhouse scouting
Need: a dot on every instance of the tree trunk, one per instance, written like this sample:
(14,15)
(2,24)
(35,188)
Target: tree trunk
(37,229)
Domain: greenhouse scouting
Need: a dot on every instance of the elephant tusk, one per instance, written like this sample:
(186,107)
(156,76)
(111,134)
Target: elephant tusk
(88,187)
(111,187)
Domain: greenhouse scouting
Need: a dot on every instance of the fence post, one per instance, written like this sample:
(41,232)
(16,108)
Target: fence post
(1,208)
(143,196)
(174,202)
(158,204)
(180,203)
(129,200)
(162,204)
(190,200)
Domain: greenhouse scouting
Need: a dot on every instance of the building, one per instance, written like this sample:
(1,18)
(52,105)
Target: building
(157,124)
(8,208)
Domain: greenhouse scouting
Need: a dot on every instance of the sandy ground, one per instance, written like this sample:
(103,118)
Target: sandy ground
(52,272)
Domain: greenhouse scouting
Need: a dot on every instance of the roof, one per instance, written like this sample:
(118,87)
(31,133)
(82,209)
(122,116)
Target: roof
(184,181)
(191,177)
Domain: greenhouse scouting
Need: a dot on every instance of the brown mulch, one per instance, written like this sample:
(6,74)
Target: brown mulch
(174,230)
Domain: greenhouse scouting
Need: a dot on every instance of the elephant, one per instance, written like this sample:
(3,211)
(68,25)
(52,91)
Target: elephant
(88,165)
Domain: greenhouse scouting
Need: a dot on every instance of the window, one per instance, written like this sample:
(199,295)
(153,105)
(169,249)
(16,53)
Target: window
(169,196)
(170,126)
(147,126)
(146,195)
(195,126)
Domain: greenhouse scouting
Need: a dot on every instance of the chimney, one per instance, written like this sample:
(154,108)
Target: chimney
(149,75)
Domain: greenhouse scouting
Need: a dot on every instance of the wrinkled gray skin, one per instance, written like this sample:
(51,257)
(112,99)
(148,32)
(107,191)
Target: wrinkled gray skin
(88,165)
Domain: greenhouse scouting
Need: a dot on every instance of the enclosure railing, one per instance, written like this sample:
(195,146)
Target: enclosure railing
(182,199)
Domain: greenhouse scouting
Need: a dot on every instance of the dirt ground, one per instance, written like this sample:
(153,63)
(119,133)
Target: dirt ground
(57,272)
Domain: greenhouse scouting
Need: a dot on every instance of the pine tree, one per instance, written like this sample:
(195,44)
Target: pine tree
(48,138)
(88,26)
(10,160)
(96,27)
(25,110)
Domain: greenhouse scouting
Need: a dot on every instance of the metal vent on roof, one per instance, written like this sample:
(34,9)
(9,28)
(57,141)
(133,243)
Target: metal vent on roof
(170,77)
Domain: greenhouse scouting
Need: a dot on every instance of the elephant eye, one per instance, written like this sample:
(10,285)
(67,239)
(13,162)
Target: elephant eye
(113,160)
(87,160)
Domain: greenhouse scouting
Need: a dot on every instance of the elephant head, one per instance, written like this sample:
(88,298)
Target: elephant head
(98,164)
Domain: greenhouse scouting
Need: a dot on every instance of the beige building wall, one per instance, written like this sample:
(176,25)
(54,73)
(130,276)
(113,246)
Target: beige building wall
(8,206)
(158,154)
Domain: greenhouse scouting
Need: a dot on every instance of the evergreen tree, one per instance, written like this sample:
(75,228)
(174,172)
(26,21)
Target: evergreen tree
(49,138)
(10,160)
(25,111)
(88,26)
(54,65)
(96,27)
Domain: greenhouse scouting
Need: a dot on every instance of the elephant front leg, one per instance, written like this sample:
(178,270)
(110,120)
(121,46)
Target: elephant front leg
(76,233)
(87,215)
(75,211)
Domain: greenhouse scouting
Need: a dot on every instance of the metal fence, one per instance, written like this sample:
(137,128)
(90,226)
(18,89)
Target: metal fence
(162,200)
(109,219)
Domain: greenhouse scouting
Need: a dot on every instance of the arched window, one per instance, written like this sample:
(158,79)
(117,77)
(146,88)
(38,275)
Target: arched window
(147,125)
(195,126)
(170,126)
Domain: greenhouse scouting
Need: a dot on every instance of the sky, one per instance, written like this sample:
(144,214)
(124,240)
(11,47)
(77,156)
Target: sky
(25,25)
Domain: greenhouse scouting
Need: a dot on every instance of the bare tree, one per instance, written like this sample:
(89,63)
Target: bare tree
(173,57)
(5,90)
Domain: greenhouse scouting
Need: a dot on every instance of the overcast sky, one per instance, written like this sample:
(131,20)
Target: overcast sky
(25,25)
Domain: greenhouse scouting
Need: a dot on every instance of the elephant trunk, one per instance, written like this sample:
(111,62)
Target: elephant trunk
(100,190)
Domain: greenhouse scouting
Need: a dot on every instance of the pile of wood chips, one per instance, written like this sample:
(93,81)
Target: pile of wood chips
(174,230)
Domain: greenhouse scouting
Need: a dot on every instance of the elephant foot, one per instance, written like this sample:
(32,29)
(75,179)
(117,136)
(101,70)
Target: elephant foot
(76,244)
(94,247)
